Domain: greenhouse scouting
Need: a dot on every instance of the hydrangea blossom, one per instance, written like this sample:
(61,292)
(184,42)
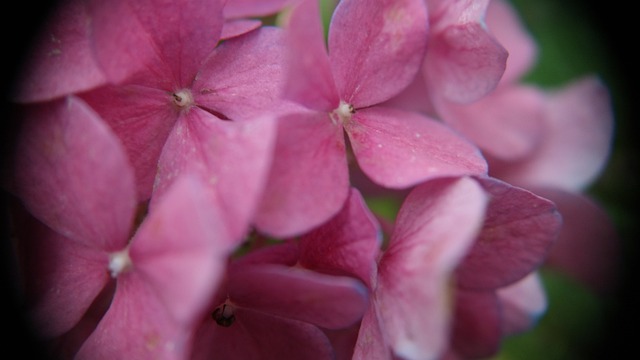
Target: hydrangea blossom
(197,179)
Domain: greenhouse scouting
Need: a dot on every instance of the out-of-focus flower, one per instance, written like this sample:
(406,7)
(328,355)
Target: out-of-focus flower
(73,175)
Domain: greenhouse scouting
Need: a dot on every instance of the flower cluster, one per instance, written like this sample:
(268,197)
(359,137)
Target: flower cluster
(195,178)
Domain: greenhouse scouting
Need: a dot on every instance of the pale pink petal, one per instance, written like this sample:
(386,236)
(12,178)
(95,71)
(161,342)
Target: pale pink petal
(309,78)
(371,343)
(72,174)
(414,97)
(506,124)
(309,180)
(142,118)
(477,331)
(368,40)
(62,279)
(256,335)
(464,63)
(588,248)
(181,249)
(523,303)
(232,158)
(348,244)
(61,60)
(254,8)
(167,40)
(233,28)
(324,300)
(398,149)
(505,24)
(444,13)
(519,230)
(136,326)
(577,140)
(434,229)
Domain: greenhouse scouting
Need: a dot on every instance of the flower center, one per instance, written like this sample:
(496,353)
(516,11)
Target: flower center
(224,315)
(342,113)
(119,262)
(182,98)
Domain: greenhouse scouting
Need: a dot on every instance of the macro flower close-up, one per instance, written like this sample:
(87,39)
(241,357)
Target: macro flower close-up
(317,179)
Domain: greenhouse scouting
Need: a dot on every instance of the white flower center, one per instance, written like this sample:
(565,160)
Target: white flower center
(119,262)
(183,98)
(342,113)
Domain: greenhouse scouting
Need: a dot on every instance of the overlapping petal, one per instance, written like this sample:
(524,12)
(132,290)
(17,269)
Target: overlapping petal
(477,329)
(523,303)
(72,174)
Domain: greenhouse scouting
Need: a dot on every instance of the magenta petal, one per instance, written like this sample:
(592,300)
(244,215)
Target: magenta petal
(256,335)
(477,329)
(61,61)
(346,245)
(232,158)
(518,232)
(577,144)
(309,79)
(506,124)
(523,303)
(62,279)
(434,229)
(309,180)
(142,118)
(167,40)
(72,173)
(327,301)
(233,28)
(242,78)
(136,326)
(254,8)
(398,149)
(181,249)
(371,344)
(368,40)
(464,63)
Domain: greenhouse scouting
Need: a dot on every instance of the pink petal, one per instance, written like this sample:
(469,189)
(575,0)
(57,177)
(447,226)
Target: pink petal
(181,249)
(434,229)
(327,301)
(167,40)
(505,24)
(136,326)
(61,60)
(72,174)
(309,78)
(477,331)
(298,195)
(506,124)
(254,8)
(464,63)
(523,303)
(256,335)
(233,28)
(588,248)
(579,122)
(232,158)
(348,244)
(242,78)
(142,118)
(368,40)
(62,278)
(398,149)
(518,232)
(371,344)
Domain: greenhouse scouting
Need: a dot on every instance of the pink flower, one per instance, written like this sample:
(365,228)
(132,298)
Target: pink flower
(242,16)
(343,90)
(176,90)
(72,174)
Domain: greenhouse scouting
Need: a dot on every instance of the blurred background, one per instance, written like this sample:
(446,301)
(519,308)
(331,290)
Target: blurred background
(576,38)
